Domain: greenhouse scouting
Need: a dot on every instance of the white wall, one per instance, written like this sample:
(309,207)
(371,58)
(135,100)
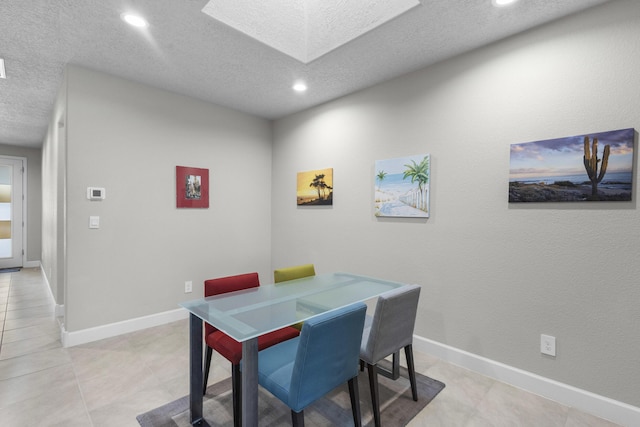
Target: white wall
(128,138)
(495,275)
(53,197)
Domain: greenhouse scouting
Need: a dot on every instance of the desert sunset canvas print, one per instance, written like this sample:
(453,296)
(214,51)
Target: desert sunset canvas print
(588,167)
(315,187)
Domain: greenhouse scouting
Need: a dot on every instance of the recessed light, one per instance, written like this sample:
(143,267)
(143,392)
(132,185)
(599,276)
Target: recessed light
(500,3)
(134,20)
(300,87)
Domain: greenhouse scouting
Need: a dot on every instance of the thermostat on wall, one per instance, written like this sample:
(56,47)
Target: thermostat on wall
(95,193)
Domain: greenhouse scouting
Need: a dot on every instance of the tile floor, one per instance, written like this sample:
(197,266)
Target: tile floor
(109,382)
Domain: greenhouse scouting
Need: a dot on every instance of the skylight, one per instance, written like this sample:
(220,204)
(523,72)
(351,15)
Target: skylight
(307,29)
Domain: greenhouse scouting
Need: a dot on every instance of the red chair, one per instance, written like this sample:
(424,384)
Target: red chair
(229,348)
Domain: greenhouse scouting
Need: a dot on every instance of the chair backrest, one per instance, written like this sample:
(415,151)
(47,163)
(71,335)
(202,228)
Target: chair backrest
(226,284)
(393,321)
(291,273)
(327,355)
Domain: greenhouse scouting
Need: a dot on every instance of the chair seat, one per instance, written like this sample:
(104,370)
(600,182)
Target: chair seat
(231,349)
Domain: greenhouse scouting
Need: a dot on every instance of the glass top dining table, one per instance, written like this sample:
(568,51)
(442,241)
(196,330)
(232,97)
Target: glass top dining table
(245,315)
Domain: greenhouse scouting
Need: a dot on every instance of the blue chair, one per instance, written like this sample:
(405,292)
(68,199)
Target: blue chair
(325,355)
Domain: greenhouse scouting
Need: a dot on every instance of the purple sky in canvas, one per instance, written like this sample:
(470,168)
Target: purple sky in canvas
(563,156)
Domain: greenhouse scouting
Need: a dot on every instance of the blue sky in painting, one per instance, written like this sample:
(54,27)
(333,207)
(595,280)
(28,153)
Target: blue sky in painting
(564,156)
(397,165)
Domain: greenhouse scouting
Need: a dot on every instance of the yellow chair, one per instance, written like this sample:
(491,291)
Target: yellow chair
(292,273)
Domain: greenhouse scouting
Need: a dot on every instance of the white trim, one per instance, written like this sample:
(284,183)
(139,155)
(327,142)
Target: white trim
(46,282)
(59,310)
(31,264)
(70,339)
(25,210)
(600,406)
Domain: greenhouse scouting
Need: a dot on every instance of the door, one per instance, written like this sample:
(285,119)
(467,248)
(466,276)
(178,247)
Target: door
(11,204)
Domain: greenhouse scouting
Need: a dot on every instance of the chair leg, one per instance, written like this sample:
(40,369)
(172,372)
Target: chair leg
(207,365)
(375,398)
(408,351)
(395,366)
(355,401)
(236,385)
(297,418)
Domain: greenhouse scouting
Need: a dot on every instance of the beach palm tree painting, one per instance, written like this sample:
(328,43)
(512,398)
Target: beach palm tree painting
(315,187)
(402,187)
(588,167)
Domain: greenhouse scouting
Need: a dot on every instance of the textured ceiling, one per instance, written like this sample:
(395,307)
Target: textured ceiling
(187,51)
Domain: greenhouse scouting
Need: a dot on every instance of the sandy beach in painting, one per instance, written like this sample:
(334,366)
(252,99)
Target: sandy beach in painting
(389,204)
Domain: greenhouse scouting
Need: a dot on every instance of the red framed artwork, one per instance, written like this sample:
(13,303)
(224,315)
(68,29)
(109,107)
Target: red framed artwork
(192,187)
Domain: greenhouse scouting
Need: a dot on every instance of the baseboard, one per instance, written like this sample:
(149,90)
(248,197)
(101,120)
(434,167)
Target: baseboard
(31,264)
(59,308)
(600,406)
(46,282)
(70,339)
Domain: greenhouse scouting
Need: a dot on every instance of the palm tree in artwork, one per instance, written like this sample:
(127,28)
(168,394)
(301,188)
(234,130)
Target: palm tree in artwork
(319,184)
(381,176)
(418,172)
(326,188)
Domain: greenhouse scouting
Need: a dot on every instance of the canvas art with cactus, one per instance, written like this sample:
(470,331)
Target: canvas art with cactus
(589,167)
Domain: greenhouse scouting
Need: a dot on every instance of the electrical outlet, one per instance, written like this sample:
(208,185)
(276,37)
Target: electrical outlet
(188,287)
(548,345)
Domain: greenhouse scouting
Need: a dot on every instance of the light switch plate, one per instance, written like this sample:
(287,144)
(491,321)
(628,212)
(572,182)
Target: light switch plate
(94,222)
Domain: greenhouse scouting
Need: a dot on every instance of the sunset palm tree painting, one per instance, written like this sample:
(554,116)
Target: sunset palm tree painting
(315,187)
(402,187)
(587,167)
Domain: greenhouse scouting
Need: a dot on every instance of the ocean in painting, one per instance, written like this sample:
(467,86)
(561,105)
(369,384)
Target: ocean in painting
(393,183)
(611,180)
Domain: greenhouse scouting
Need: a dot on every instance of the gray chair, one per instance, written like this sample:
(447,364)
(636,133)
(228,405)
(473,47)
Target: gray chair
(386,333)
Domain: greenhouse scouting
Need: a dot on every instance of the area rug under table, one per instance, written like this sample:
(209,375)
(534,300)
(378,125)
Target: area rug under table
(397,406)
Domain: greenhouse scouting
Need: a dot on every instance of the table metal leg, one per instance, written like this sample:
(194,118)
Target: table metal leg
(195,370)
(250,383)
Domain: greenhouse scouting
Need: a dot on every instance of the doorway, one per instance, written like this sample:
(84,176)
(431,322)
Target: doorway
(11,211)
